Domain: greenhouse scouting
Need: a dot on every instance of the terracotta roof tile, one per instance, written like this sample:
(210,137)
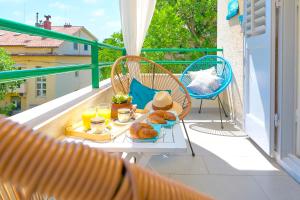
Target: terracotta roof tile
(16,39)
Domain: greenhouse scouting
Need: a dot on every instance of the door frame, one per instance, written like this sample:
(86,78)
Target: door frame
(272,78)
(287,64)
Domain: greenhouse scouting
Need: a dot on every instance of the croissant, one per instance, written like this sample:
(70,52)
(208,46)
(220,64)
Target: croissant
(156,119)
(169,116)
(160,117)
(160,113)
(141,130)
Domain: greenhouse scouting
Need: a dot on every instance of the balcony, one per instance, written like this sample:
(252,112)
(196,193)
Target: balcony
(227,164)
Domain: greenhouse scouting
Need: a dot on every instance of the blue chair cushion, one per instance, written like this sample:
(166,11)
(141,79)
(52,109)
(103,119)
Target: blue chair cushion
(141,94)
(233,9)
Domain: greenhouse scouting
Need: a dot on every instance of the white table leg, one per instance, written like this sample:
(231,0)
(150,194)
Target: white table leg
(127,156)
(144,159)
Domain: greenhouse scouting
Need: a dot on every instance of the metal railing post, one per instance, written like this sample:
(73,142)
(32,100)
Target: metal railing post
(124,52)
(95,65)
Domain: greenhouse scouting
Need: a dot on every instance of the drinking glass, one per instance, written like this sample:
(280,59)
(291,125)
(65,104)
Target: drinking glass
(86,116)
(104,110)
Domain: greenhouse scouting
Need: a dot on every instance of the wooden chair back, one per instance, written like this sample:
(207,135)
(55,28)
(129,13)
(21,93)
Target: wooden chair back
(151,75)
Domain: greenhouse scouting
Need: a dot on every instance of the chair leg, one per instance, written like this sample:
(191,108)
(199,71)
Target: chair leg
(222,127)
(200,108)
(225,113)
(187,135)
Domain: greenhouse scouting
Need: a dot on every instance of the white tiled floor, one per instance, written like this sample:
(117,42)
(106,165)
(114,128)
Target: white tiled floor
(226,168)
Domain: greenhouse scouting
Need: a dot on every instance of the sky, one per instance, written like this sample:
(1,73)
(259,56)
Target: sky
(100,17)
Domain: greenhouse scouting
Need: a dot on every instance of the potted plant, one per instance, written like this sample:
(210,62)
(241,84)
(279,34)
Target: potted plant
(120,101)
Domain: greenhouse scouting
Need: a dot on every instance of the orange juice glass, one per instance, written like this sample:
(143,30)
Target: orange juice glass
(103,110)
(86,118)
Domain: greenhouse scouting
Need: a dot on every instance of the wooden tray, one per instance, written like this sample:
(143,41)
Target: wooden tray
(110,133)
(78,131)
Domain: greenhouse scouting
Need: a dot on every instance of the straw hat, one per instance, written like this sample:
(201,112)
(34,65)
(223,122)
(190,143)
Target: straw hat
(163,101)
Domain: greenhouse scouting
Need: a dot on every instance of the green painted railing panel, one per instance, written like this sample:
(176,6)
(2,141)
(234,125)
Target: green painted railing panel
(6,76)
(102,45)
(182,50)
(174,62)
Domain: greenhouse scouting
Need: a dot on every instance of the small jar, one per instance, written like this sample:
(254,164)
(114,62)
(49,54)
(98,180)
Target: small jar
(97,125)
(124,115)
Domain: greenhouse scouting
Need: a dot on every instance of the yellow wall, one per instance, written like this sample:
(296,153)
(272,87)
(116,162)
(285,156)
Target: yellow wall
(22,50)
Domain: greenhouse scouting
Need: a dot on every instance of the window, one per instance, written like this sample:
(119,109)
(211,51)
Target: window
(75,46)
(256,17)
(86,47)
(41,87)
(17,102)
(76,74)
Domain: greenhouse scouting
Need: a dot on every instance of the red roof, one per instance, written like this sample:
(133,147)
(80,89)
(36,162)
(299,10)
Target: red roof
(16,39)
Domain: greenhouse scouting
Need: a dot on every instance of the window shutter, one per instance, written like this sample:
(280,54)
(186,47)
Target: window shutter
(256,17)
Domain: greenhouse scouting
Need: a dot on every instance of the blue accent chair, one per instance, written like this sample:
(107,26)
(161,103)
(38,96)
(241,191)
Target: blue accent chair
(223,70)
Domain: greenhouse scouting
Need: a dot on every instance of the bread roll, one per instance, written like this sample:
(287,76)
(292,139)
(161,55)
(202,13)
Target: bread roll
(160,117)
(169,116)
(156,119)
(141,130)
(160,113)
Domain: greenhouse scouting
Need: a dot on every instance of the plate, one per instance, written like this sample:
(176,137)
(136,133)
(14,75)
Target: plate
(117,122)
(151,140)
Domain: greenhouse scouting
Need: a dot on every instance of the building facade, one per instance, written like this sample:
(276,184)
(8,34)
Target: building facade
(36,52)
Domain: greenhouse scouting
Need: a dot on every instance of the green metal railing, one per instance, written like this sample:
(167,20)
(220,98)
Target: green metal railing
(7,76)
(205,50)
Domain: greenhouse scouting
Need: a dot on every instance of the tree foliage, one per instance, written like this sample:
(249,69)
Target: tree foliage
(106,54)
(167,29)
(7,64)
(200,17)
(175,24)
(183,23)
(110,55)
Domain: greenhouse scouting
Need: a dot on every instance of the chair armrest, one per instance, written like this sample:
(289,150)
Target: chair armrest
(40,164)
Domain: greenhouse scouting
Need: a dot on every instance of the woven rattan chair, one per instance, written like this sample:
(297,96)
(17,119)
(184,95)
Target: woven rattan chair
(34,166)
(153,76)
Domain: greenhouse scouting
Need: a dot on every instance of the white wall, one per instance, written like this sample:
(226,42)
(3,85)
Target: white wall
(68,82)
(67,47)
(230,38)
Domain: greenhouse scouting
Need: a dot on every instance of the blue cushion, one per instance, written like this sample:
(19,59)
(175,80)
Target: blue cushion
(141,94)
(233,9)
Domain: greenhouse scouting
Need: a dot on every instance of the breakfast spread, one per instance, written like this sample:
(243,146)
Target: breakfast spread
(106,121)
(140,130)
(161,117)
